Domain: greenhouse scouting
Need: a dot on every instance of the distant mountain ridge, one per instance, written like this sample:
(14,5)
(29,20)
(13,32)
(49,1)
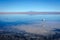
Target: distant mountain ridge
(29,12)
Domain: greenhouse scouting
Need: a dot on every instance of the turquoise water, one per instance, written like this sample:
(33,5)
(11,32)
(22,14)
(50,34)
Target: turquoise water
(30,23)
(27,17)
(19,19)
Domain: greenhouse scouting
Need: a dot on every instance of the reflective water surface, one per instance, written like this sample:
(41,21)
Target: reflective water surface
(44,27)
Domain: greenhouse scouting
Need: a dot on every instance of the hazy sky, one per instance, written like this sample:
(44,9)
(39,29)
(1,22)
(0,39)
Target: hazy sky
(29,5)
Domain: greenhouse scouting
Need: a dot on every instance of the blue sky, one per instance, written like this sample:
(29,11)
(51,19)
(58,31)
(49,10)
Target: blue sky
(29,5)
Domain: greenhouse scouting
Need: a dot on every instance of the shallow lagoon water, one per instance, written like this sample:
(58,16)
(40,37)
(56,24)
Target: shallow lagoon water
(27,17)
(38,24)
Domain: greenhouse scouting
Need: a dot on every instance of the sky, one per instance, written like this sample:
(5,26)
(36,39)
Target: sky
(29,5)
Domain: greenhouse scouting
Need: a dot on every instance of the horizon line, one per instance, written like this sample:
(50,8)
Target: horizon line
(29,12)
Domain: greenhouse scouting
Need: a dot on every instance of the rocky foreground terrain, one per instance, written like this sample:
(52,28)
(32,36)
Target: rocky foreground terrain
(4,35)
